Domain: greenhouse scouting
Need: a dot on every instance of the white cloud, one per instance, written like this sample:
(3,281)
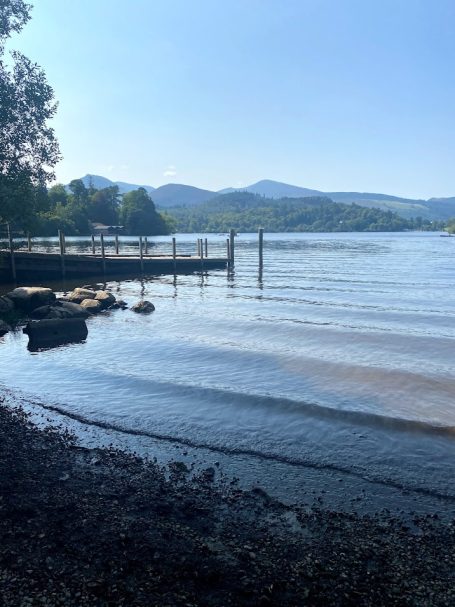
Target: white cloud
(170,171)
(110,168)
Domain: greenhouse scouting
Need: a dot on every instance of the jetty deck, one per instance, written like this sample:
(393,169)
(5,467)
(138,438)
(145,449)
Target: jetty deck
(42,265)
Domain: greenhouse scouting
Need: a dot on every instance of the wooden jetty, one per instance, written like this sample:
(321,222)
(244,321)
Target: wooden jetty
(26,264)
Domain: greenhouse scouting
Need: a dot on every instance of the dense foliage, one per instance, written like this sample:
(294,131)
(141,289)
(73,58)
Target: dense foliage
(74,209)
(246,211)
(28,148)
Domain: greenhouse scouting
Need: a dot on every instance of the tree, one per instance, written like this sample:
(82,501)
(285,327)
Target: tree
(28,147)
(139,216)
(103,206)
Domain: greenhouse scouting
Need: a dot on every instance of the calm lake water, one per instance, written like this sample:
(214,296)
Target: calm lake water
(339,357)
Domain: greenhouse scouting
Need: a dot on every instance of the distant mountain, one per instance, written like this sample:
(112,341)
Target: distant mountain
(173,194)
(100,182)
(176,194)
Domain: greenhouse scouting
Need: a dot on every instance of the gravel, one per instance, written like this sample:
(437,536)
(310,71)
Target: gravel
(102,527)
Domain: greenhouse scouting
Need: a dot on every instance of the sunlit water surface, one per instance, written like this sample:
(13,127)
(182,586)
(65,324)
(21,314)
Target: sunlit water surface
(340,356)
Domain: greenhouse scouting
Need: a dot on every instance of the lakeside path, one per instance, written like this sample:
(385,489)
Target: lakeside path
(102,527)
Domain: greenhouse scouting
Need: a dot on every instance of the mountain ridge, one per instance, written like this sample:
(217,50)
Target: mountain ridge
(172,195)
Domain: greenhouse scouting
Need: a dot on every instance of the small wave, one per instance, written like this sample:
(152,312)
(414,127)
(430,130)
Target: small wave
(235,451)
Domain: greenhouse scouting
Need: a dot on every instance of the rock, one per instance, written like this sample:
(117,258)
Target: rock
(4,328)
(143,307)
(53,332)
(40,312)
(105,298)
(6,305)
(76,310)
(91,305)
(78,295)
(29,298)
(122,304)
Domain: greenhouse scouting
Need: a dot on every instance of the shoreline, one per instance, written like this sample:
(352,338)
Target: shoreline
(99,526)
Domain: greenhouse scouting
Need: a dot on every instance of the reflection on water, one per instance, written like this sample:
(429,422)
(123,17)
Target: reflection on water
(338,353)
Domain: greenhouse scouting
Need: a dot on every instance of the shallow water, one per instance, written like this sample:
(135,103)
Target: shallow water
(340,356)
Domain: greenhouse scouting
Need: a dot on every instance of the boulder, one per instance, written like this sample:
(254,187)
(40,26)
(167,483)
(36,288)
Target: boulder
(29,298)
(40,312)
(91,305)
(78,295)
(6,305)
(143,307)
(53,332)
(105,298)
(76,310)
(4,328)
(122,304)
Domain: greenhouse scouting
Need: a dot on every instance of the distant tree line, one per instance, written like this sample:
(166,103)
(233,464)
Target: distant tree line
(246,211)
(75,208)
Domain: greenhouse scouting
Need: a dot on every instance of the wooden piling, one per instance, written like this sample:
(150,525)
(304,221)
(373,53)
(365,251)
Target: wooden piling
(62,252)
(228,250)
(232,246)
(11,248)
(93,245)
(206,248)
(174,253)
(198,246)
(141,255)
(116,244)
(202,253)
(146,246)
(64,243)
(29,242)
(261,246)
(103,252)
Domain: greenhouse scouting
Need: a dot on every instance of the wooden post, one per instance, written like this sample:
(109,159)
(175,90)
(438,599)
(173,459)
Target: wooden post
(62,252)
(201,248)
(103,252)
(116,244)
(64,243)
(261,246)
(232,246)
(11,248)
(141,254)
(146,246)
(174,253)
(228,250)
(29,242)
(93,245)
(198,247)
(206,248)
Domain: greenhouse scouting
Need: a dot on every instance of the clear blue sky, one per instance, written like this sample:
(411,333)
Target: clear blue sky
(327,94)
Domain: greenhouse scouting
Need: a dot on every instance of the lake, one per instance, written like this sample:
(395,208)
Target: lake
(339,358)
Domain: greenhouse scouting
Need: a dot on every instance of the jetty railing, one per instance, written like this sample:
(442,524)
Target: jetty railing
(109,249)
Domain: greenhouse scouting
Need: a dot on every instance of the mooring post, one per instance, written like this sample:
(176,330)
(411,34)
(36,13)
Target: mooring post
(29,242)
(228,250)
(261,246)
(62,252)
(174,253)
(93,244)
(11,248)
(116,244)
(198,243)
(232,246)
(146,244)
(141,254)
(202,254)
(64,243)
(206,248)
(103,253)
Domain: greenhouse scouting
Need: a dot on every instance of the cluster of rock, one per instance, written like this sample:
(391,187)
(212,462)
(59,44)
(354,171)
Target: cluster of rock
(40,303)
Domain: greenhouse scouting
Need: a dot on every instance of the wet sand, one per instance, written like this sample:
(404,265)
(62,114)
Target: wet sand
(103,527)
